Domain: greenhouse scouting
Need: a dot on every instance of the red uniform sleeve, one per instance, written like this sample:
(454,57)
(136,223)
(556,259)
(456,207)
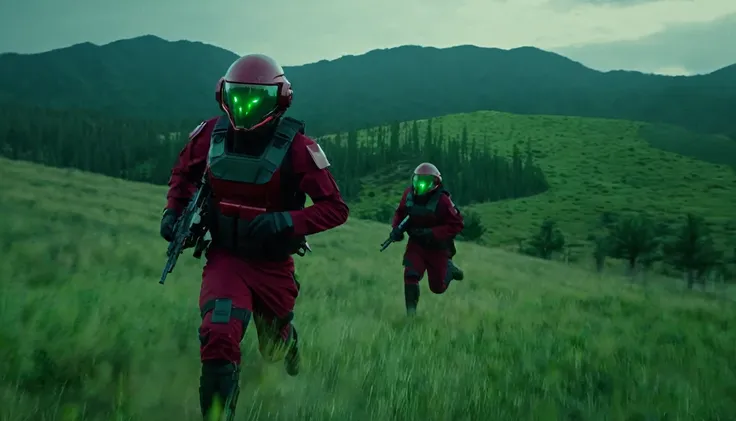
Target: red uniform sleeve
(189,167)
(328,209)
(401,210)
(451,222)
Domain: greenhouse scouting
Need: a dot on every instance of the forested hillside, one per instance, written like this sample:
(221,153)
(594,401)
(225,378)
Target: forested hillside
(154,78)
(144,150)
(567,168)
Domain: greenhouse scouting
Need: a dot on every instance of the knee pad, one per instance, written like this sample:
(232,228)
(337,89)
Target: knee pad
(411,276)
(224,314)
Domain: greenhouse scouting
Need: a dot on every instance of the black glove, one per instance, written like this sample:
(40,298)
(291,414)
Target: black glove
(269,224)
(396,235)
(422,234)
(168,220)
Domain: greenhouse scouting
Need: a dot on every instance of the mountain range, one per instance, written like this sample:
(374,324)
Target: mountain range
(152,77)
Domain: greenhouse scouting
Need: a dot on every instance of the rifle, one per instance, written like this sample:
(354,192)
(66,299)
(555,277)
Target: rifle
(189,230)
(401,228)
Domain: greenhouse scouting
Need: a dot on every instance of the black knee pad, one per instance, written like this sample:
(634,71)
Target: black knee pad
(410,272)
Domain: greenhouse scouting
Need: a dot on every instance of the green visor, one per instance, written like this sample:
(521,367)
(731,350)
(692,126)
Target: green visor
(249,105)
(422,184)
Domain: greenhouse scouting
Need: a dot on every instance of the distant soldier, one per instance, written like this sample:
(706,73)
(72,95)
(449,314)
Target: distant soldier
(434,221)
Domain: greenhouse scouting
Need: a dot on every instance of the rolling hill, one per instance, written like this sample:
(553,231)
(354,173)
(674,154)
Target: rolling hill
(151,76)
(593,166)
(87,334)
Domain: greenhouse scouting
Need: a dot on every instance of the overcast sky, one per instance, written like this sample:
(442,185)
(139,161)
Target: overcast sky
(663,36)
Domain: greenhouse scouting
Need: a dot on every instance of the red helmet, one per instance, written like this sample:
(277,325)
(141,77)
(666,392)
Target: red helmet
(253,92)
(426,179)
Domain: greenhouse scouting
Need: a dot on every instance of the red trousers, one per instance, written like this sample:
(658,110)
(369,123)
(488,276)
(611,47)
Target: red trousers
(418,260)
(265,290)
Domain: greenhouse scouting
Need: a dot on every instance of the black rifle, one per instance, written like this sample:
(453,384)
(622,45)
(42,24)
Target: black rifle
(399,228)
(189,230)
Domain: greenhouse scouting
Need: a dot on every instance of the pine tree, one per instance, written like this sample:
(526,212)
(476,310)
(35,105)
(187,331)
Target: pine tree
(633,238)
(548,240)
(693,249)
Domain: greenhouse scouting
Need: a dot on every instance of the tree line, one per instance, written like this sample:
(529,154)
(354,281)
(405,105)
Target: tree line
(144,150)
(687,247)
(472,169)
(132,149)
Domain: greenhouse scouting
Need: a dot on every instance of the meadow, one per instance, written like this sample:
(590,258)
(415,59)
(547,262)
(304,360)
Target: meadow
(88,334)
(593,166)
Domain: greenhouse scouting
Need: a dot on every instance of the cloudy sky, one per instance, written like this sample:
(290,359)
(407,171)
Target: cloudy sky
(662,36)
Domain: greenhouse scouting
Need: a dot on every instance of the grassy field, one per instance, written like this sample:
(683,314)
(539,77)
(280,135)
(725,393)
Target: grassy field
(595,165)
(86,332)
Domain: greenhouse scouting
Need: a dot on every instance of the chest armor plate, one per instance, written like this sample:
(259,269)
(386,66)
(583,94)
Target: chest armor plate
(423,215)
(253,181)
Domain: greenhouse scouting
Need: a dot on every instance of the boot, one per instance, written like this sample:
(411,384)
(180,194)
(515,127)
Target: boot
(411,297)
(292,360)
(457,273)
(219,390)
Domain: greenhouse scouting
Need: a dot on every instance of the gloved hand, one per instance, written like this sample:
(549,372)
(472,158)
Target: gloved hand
(396,235)
(269,224)
(421,234)
(168,220)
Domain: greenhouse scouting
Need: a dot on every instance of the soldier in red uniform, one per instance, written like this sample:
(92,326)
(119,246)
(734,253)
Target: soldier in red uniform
(260,166)
(434,221)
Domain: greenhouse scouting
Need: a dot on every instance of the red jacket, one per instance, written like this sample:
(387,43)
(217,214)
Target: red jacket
(446,223)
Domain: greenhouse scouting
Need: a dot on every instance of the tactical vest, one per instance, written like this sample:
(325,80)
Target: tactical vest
(265,181)
(250,169)
(427,209)
(426,216)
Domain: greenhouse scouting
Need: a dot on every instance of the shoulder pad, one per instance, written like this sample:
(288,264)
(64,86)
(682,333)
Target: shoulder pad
(197,130)
(318,155)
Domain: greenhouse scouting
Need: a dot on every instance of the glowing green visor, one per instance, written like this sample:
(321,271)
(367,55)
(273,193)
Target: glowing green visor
(422,184)
(248,105)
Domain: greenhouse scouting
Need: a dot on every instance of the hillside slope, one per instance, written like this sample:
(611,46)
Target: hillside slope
(593,166)
(148,75)
(520,339)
